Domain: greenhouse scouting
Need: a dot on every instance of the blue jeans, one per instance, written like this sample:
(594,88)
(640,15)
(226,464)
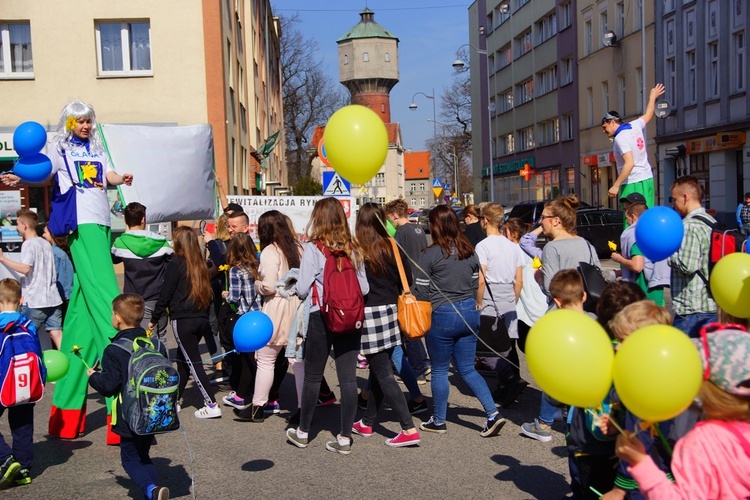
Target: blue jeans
(450,336)
(692,323)
(546,412)
(134,456)
(406,372)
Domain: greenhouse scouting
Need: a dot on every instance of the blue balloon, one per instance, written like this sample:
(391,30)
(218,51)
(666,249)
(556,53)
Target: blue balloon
(34,168)
(252,331)
(29,138)
(659,233)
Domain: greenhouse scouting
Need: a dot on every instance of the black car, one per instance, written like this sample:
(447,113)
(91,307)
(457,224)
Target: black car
(425,213)
(597,225)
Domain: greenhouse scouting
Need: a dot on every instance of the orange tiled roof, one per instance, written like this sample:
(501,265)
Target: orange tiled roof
(417,165)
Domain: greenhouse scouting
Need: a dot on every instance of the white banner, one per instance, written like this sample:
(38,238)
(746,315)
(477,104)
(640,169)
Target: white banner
(298,208)
(172,169)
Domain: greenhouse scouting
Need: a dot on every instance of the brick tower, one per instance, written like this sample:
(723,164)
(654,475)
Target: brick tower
(368,64)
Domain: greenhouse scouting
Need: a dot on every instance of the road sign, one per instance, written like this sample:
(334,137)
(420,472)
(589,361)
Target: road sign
(447,187)
(437,191)
(335,185)
(437,183)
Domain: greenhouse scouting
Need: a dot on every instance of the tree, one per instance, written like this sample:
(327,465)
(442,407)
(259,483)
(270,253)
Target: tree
(310,97)
(307,186)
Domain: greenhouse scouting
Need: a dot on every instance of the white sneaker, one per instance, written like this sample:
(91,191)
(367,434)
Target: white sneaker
(209,411)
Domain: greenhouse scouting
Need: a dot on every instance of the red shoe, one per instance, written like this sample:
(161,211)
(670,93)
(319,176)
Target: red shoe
(403,439)
(361,429)
(326,399)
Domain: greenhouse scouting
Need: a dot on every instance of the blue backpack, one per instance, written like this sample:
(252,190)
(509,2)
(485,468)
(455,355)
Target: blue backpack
(22,372)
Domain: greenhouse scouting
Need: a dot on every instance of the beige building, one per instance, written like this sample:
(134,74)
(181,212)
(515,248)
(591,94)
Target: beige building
(169,62)
(611,76)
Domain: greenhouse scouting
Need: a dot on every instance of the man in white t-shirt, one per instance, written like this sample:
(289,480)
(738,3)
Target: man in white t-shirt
(41,300)
(634,174)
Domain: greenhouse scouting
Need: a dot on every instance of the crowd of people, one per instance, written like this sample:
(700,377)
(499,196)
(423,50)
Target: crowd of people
(488,284)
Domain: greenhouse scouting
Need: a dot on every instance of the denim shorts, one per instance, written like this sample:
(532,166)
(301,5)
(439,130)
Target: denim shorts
(50,317)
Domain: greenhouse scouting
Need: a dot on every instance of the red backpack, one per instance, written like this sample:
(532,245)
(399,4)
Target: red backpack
(343,306)
(22,371)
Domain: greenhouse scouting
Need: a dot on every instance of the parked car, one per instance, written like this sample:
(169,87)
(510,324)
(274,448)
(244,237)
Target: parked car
(422,219)
(414,217)
(597,225)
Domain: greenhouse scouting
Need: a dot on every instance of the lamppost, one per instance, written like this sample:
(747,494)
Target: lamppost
(456,179)
(458,64)
(413,106)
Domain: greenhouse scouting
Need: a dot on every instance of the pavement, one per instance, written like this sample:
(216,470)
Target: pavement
(228,458)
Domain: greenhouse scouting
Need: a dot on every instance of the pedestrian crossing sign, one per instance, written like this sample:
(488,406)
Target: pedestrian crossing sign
(437,183)
(335,185)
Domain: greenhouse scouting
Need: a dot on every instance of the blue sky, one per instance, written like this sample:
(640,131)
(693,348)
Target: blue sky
(429,33)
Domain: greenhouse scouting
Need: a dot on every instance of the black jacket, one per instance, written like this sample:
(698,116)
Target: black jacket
(109,381)
(175,293)
(474,233)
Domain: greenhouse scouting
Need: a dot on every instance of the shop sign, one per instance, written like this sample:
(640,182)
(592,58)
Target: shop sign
(720,141)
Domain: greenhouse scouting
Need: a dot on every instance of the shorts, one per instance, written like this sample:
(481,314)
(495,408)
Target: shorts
(51,318)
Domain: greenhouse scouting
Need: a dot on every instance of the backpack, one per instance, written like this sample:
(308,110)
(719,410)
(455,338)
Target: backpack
(722,242)
(22,371)
(149,395)
(343,306)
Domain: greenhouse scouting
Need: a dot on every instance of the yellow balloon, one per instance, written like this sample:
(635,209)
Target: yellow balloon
(570,357)
(356,143)
(730,284)
(657,372)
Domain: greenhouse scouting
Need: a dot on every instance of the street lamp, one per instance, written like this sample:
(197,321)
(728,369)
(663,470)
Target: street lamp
(459,64)
(413,106)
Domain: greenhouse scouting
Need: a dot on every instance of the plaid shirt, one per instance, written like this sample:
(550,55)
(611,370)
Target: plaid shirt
(689,291)
(242,291)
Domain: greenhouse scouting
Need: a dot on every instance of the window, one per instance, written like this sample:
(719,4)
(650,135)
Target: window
(637,14)
(712,71)
(603,23)
(668,5)
(521,3)
(15,50)
(413,202)
(526,138)
(621,95)
(525,91)
(504,57)
(506,101)
(387,57)
(124,48)
(546,80)
(739,62)
(639,90)
(669,36)
(346,58)
(412,187)
(713,18)
(620,11)
(671,74)
(549,132)
(365,57)
(421,187)
(690,78)
(233,105)
(381,200)
(546,28)
(523,43)
(422,202)
(508,144)
(379,179)
(590,106)
(587,37)
(690,27)
(605,97)
(567,123)
(565,15)
(566,73)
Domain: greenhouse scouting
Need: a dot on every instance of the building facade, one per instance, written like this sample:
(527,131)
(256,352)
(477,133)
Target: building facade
(701,57)
(419,192)
(150,63)
(526,84)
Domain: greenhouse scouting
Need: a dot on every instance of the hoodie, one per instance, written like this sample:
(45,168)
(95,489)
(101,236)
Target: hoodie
(145,255)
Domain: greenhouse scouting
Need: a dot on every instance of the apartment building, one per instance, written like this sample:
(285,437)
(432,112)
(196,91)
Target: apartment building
(701,56)
(523,72)
(150,63)
(419,192)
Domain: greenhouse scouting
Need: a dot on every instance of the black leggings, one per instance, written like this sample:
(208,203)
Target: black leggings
(383,385)
(317,348)
(188,333)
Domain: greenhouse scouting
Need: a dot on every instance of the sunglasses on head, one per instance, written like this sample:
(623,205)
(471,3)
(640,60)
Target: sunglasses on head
(608,118)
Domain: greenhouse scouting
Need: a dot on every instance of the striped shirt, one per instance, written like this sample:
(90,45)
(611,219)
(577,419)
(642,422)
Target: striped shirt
(689,291)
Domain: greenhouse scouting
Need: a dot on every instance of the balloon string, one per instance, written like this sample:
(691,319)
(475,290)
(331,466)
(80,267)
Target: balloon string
(663,440)
(202,362)
(611,421)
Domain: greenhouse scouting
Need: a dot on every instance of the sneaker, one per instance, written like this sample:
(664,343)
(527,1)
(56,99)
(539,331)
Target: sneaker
(293,420)
(326,399)
(160,493)
(209,411)
(232,400)
(513,391)
(427,370)
(417,408)
(432,426)
(8,471)
(179,407)
(221,378)
(403,439)
(362,362)
(23,477)
(272,408)
(344,449)
(421,380)
(291,436)
(361,402)
(535,431)
(492,426)
(361,429)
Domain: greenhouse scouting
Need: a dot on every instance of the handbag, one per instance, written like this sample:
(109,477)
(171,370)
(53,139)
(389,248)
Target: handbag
(414,316)
(493,335)
(593,283)
(63,217)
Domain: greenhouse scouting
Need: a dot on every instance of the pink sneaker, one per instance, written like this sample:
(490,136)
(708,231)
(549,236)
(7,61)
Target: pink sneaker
(361,429)
(403,439)
(362,362)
